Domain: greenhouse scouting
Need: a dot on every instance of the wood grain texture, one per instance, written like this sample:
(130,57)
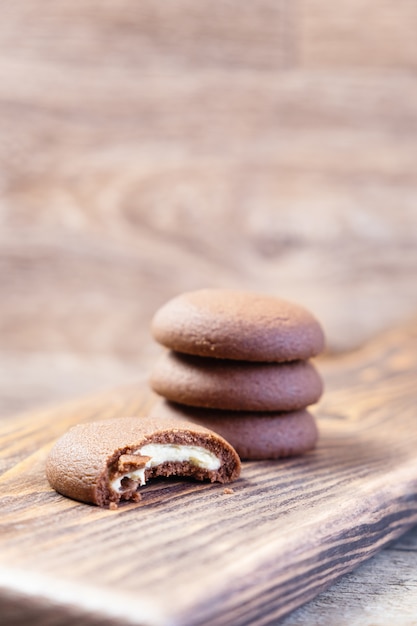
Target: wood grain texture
(369,34)
(191,554)
(379,592)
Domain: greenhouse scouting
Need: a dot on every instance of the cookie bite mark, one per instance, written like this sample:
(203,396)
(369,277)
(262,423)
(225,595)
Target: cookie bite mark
(105,462)
(129,473)
(164,460)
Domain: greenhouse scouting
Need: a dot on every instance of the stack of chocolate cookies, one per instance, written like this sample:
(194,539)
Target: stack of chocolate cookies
(238,363)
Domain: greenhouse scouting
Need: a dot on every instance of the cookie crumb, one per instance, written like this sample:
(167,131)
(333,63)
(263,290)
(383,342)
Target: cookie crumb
(228,490)
(113,506)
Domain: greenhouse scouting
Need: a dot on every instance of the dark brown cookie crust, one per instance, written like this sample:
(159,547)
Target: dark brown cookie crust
(239,325)
(84,460)
(254,436)
(236,385)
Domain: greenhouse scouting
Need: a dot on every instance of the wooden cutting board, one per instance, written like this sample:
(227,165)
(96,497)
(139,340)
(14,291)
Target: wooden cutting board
(191,554)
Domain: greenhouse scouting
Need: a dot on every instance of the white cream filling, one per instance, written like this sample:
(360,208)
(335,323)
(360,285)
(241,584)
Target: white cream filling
(166,453)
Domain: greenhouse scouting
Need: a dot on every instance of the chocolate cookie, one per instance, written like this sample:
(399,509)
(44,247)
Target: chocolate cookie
(105,462)
(254,436)
(239,325)
(236,385)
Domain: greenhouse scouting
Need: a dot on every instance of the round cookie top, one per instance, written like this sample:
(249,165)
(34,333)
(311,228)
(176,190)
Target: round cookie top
(229,324)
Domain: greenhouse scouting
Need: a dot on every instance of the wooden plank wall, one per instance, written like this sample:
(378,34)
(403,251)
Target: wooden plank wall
(151,147)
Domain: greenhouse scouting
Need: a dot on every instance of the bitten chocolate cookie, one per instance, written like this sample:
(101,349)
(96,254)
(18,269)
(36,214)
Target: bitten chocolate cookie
(236,385)
(105,462)
(254,436)
(239,325)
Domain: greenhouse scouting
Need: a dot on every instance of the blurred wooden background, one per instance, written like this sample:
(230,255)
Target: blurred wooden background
(154,146)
